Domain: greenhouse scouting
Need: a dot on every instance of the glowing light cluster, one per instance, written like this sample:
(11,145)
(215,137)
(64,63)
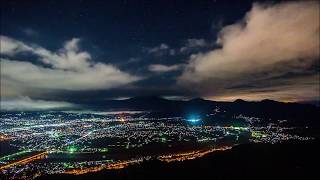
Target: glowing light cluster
(194,119)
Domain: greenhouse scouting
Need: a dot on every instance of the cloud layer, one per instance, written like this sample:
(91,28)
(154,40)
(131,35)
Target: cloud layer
(66,69)
(27,104)
(273,52)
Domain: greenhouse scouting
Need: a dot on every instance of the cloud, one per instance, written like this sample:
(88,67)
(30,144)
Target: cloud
(156,49)
(273,52)
(67,69)
(162,49)
(27,104)
(11,47)
(192,44)
(160,68)
(69,57)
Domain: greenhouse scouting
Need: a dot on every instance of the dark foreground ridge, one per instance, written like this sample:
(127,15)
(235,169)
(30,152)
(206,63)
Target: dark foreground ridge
(289,160)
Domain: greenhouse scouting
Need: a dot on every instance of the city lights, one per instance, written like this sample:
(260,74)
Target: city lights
(72,149)
(194,119)
(93,143)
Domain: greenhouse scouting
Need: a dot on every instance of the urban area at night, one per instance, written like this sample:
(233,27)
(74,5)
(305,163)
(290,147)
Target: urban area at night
(159,89)
(75,142)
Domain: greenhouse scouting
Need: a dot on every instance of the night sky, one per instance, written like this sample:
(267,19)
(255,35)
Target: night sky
(59,53)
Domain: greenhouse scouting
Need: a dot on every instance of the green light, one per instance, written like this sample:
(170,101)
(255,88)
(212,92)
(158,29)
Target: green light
(56,135)
(14,156)
(103,150)
(163,139)
(68,165)
(258,134)
(72,149)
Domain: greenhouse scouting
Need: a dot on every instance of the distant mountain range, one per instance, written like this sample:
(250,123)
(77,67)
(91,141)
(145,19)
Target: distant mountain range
(295,112)
(268,111)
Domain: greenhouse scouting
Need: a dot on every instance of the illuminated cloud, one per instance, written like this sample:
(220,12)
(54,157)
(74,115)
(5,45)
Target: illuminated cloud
(27,104)
(272,53)
(160,68)
(67,69)
(11,46)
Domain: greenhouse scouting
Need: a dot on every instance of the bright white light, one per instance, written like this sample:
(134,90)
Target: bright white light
(194,120)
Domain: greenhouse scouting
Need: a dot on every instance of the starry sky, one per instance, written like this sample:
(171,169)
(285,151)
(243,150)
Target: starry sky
(59,53)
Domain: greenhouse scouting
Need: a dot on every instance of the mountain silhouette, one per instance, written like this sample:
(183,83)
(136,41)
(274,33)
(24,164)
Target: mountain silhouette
(298,114)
